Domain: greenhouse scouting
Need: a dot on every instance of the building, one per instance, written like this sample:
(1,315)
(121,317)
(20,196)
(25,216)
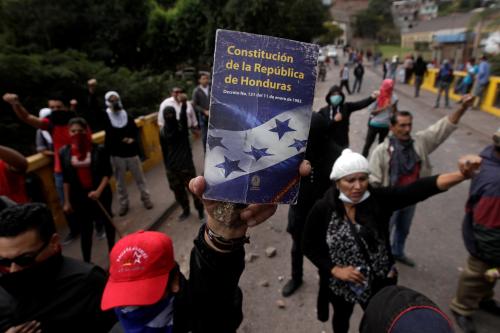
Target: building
(342,12)
(447,37)
(407,13)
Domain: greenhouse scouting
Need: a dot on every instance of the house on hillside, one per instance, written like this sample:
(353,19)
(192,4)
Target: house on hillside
(342,12)
(448,37)
(407,13)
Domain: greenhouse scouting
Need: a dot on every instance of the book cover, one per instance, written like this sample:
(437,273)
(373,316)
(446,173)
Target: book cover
(260,112)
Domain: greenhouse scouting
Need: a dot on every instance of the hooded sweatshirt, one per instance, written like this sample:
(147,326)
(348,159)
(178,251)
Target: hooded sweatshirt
(481,227)
(339,130)
(174,140)
(118,126)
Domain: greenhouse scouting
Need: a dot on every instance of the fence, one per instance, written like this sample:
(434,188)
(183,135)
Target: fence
(42,165)
(491,98)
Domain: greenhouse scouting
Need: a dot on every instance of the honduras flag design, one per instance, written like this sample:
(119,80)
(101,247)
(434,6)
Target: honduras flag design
(258,135)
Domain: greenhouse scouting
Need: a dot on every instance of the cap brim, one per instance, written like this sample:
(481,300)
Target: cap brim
(134,293)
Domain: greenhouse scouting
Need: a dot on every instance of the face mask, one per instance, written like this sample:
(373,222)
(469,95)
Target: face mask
(335,100)
(116,106)
(345,198)
(144,318)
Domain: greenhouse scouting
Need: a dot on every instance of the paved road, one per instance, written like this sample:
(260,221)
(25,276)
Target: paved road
(435,240)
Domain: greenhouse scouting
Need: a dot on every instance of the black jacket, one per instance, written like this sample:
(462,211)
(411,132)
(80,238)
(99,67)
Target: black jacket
(374,213)
(322,151)
(340,130)
(210,301)
(420,68)
(359,71)
(113,141)
(100,166)
(63,294)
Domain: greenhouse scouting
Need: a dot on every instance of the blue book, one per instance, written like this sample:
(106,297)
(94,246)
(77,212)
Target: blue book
(260,113)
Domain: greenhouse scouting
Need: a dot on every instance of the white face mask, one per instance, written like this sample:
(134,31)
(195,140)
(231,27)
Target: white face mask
(344,198)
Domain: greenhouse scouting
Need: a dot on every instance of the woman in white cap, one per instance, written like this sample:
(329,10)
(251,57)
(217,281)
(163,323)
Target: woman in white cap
(347,232)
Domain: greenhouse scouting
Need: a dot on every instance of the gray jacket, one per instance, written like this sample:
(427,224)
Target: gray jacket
(425,142)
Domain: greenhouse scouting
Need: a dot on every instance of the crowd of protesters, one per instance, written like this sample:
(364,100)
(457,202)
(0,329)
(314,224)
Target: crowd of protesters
(347,209)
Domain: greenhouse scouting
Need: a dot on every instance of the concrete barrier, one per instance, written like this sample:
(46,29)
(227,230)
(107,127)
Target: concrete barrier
(42,165)
(491,98)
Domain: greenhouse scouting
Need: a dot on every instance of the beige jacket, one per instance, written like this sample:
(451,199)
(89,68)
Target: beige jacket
(425,142)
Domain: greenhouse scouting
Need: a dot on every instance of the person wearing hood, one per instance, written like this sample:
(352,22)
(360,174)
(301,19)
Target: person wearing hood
(359,72)
(397,309)
(380,113)
(444,79)
(121,144)
(86,173)
(481,232)
(346,235)
(402,159)
(178,159)
(338,113)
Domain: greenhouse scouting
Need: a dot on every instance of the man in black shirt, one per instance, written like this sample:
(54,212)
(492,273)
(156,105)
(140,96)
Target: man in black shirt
(40,289)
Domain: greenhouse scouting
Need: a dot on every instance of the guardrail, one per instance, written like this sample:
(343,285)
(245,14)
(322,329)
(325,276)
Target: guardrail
(42,165)
(491,98)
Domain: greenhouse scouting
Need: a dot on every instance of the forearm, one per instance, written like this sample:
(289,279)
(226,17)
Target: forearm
(14,159)
(25,116)
(454,118)
(448,180)
(103,184)
(66,188)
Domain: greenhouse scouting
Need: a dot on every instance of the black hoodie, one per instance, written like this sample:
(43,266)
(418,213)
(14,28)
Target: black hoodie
(340,129)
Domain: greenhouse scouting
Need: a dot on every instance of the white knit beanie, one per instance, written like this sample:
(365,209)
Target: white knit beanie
(348,163)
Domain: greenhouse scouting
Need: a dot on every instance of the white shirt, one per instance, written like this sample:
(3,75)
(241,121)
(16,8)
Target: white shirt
(205,89)
(191,117)
(345,73)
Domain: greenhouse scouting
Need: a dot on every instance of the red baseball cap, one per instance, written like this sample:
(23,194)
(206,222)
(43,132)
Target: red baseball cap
(140,264)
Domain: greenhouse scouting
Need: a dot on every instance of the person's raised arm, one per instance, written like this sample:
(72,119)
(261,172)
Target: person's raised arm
(15,160)
(468,165)
(359,105)
(467,102)
(21,112)
(401,196)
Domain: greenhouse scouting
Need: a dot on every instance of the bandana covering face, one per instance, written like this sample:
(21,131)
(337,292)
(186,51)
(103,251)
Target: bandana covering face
(156,318)
(384,99)
(81,145)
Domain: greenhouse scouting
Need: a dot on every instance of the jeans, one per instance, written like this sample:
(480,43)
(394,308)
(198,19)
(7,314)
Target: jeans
(357,83)
(371,135)
(132,164)
(73,225)
(418,84)
(443,87)
(400,226)
(345,83)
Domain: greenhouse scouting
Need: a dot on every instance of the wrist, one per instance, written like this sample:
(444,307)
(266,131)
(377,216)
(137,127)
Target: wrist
(221,243)
(232,231)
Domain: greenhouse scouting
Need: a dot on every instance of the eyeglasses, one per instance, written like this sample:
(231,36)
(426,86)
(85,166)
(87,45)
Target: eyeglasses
(24,260)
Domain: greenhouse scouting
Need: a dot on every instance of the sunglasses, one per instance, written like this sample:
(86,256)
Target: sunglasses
(24,260)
